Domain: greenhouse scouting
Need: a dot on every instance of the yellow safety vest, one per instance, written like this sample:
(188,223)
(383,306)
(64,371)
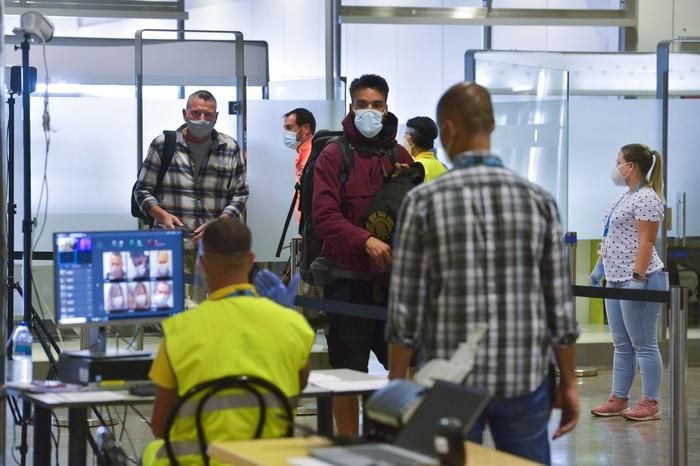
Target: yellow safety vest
(241,334)
(432,166)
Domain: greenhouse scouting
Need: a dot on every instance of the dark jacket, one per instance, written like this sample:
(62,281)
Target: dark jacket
(337,209)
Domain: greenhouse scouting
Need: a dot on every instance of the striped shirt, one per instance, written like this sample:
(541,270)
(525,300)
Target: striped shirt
(219,187)
(480,244)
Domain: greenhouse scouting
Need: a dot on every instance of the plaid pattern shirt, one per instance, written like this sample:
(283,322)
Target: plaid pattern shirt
(219,188)
(481,244)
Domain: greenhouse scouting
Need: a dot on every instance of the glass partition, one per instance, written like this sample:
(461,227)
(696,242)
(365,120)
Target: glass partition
(271,169)
(683,177)
(531,111)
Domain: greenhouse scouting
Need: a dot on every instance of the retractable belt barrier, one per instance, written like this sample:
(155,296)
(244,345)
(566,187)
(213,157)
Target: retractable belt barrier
(651,296)
(677,298)
(341,307)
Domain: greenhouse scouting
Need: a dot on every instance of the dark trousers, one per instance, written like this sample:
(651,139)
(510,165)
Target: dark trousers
(350,339)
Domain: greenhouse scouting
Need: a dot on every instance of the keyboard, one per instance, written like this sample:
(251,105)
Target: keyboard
(143,389)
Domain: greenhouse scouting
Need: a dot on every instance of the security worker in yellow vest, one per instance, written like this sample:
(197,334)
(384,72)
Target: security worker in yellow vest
(233,332)
(419,140)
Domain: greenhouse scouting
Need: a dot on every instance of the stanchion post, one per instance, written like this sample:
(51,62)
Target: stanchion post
(570,239)
(678,335)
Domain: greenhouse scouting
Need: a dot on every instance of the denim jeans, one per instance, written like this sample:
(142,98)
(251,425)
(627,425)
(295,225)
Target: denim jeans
(633,326)
(518,425)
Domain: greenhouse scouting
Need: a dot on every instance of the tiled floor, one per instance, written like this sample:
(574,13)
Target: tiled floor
(596,441)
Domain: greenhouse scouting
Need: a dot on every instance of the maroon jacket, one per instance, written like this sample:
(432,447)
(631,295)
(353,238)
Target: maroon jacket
(337,209)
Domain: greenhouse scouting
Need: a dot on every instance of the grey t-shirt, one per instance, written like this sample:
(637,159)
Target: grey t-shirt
(199,153)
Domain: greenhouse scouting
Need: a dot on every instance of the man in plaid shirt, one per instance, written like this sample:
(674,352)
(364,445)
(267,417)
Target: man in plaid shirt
(483,245)
(206,178)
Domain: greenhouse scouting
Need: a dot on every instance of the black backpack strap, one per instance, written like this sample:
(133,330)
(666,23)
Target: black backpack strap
(394,154)
(166,157)
(347,151)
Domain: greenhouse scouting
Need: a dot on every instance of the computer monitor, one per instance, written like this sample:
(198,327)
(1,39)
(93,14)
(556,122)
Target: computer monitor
(117,277)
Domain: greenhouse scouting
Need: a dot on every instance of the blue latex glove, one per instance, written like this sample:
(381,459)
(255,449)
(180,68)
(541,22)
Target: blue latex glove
(270,286)
(598,274)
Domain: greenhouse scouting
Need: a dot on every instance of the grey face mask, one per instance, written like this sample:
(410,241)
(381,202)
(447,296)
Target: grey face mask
(199,128)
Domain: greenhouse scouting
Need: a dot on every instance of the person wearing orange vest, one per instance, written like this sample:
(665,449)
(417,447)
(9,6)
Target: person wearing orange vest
(299,128)
(234,332)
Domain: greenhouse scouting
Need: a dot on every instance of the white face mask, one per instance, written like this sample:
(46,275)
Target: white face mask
(369,122)
(161,299)
(163,270)
(140,300)
(141,270)
(617,177)
(117,302)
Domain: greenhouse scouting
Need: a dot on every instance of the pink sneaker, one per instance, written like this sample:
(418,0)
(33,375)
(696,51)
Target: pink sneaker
(614,407)
(646,410)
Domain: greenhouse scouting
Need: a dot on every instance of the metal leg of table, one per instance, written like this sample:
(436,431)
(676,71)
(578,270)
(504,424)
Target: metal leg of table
(324,415)
(77,438)
(42,436)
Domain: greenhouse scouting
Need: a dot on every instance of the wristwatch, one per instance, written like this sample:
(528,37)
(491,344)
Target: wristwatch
(638,277)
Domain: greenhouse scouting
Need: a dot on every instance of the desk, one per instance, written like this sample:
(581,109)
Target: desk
(324,384)
(327,384)
(78,404)
(275,452)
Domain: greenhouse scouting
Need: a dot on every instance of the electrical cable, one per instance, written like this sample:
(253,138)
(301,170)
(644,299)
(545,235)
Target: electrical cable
(46,126)
(57,438)
(140,414)
(128,437)
(14,444)
(40,300)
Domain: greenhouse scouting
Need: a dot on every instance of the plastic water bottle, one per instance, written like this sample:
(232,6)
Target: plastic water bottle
(22,354)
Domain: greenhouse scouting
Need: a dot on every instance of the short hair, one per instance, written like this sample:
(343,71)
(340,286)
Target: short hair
(469,104)
(423,131)
(303,117)
(371,81)
(226,235)
(201,95)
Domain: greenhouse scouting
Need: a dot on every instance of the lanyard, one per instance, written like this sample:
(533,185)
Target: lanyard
(607,223)
(474,158)
(238,293)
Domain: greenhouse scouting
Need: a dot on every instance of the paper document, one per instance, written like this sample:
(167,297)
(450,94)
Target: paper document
(315,377)
(352,385)
(88,397)
(303,461)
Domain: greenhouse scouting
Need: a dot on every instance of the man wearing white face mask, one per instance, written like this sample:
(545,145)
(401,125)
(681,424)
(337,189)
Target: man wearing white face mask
(299,128)
(205,180)
(337,210)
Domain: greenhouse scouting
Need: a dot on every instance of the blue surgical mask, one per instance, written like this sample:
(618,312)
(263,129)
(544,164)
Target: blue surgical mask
(199,128)
(368,122)
(290,139)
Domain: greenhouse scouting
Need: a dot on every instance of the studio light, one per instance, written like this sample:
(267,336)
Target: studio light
(35,25)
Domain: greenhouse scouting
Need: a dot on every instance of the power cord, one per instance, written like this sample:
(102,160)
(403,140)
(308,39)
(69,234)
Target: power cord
(57,438)
(46,126)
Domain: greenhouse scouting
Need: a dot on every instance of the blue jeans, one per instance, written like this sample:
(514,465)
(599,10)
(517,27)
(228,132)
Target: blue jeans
(633,326)
(518,425)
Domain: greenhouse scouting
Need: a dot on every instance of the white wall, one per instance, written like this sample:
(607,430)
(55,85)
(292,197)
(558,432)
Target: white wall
(666,19)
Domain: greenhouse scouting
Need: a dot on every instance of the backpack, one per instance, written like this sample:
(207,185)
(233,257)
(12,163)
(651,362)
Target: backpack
(381,217)
(311,243)
(166,159)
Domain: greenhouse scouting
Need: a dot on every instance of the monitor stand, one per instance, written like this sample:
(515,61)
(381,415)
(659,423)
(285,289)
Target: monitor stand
(97,348)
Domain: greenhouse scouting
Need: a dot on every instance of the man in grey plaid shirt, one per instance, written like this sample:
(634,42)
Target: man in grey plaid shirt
(483,245)
(206,178)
